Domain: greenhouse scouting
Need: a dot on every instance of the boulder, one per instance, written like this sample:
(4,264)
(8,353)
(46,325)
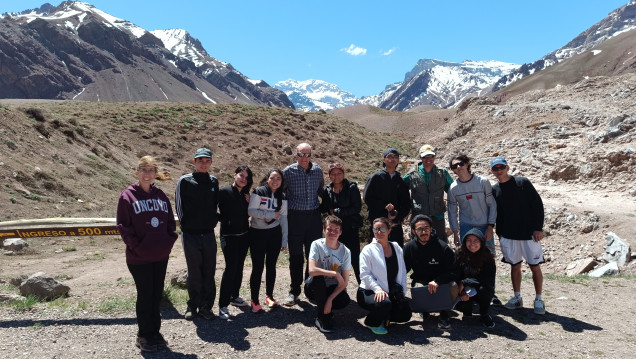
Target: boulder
(580,266)
(14,244)
(616,250)
(43,286)
(606,270)
(16,281)
(180,279)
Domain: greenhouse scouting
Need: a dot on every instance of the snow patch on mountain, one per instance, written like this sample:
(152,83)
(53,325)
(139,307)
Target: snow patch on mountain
(314,95)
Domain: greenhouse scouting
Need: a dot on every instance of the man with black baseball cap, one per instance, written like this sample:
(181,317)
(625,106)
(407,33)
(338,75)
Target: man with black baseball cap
(196,202)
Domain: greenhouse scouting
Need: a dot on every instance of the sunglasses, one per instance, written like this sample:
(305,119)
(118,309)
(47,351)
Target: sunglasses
(429,156)
(499,168)
(458,164)
(380,229)
(300,154)
(336,165)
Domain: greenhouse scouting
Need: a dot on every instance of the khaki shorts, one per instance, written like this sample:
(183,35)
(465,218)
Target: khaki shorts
(514,251)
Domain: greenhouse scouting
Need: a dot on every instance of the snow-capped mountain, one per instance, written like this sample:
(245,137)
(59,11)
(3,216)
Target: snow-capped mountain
(76,51)
(313,95)
(442,84)
(617,22)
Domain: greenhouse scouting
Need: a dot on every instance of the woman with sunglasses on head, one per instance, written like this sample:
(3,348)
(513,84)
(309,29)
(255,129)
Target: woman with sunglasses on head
(268,235)
(146,224)
(342,199)
(383,280)
(471,196)
(233,202)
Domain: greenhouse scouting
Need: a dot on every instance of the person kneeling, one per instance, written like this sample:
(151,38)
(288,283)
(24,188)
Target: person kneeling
(329,268)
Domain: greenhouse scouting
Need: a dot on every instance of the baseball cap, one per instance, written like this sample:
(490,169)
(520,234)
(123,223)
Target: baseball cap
(391,151)
(498,161)
(203,152)
(427,150)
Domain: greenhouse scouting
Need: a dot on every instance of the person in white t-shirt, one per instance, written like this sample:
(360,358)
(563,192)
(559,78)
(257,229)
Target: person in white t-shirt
(329,268)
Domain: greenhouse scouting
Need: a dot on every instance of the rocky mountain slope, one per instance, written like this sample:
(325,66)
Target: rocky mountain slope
(618,21)
(76,51)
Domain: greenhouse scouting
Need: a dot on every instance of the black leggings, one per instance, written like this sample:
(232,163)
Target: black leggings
(265,247)
(234,251)
(386,310)
(149,279)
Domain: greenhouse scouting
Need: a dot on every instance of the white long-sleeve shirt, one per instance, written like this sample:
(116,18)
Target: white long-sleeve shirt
(373,274)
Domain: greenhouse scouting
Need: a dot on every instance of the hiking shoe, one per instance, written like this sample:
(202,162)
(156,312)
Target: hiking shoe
(190,313)
(145,345)
(206,314)
(514,303)
(239,302)
(444,324)
(495,301)
(486,320)
(380,330)
(324,324)
(256,308)
(271,302)
(224,313)
(290,300)
(539,307)
(160,341)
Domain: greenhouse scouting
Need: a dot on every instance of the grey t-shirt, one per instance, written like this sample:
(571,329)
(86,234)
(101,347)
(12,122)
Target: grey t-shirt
(330,259)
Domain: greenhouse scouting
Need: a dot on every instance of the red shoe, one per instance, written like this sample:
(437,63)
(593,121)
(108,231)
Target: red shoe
(271,302)
(256,308)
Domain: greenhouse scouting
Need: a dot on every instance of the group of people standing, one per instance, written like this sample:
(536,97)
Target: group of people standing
(286,212)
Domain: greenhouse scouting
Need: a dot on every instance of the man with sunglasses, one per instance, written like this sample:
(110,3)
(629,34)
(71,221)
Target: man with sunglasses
(470,203)
(428,183)
(305,184)
(520,229)
(386,195)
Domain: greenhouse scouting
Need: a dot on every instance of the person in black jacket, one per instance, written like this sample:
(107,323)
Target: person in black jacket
(197,198)
(519,223)
(342,199)
(387,195)
(235,241)
(431,259)
(476,270)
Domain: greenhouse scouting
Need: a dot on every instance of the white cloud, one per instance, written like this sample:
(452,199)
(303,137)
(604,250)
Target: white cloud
(354,50)
(389,52)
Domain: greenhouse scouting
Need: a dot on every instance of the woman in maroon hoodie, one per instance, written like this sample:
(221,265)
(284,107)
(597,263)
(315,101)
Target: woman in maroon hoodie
(146,224)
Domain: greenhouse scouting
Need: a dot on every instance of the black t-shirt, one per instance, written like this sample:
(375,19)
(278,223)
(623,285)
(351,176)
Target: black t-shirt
(391,268)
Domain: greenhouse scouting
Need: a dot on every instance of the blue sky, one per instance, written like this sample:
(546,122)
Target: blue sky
(361,46)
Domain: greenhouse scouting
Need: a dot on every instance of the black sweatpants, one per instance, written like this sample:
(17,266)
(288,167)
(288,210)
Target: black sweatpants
(265,247)
(380,312)
(200,255)
(318,291)
(351,239)
(304,228)
(234,251)
(149,280)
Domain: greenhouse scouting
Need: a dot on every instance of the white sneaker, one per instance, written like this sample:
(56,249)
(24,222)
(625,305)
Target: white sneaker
(290,300)
(539,307)
(224,313)
(514,303)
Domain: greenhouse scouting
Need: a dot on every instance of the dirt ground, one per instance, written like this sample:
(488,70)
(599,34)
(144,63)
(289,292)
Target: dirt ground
(586,317)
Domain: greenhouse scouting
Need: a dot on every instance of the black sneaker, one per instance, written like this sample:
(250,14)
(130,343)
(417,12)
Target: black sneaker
(495,301)
(444,324)
(324,324)
(486,320)
(206,314)
(190,313)
(145,345)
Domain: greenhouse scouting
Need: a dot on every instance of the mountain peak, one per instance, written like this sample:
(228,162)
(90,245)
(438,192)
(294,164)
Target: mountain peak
(314,95)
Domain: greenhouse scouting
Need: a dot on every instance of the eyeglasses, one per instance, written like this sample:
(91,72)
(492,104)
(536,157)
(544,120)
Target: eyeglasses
(380,229)
(499,168)
(458,164)
(422,230)
(300,154)
(336,165)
